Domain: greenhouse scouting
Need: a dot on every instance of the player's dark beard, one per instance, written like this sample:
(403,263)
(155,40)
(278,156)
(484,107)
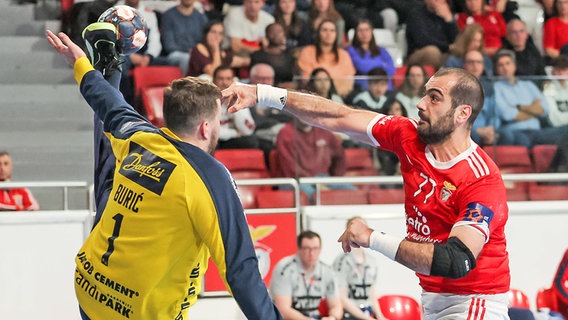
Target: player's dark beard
(440,131)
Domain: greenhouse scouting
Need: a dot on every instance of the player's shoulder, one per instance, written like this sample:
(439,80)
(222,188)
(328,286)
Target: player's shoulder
(286,265)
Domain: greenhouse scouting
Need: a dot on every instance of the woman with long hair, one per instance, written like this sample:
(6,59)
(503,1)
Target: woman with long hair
(326,54)
(321,83)
(470,38)
(367,55)
(556,30)
(491,21)
(321,10)
(207,55)
(411,90)
(297,30)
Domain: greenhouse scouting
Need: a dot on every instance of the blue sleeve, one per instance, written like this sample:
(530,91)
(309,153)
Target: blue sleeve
(507,111)
(109,106)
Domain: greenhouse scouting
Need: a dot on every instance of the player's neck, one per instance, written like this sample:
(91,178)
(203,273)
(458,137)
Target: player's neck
(451,148)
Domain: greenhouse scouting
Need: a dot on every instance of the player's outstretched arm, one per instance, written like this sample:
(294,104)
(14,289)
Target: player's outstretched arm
(312,109)
(64,46)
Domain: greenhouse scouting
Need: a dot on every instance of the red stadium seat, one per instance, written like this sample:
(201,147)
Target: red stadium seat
(386,196)
(279,199)
(400,307)
(153,102)
(518,299)
(274,164)
(248,160)
(542,156)
(342,196)
(511,160)
(547,192)
(152,76)
(546,298)
(359,162)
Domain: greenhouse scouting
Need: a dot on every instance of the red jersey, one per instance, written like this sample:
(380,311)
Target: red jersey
(17,199)
(467,190)
(492,23)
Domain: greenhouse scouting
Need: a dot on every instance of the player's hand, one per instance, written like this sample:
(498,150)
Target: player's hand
(356,235)
(239,96)
(64,46)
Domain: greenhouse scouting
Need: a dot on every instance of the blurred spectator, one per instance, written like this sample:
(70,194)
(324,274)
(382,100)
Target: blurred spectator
(298,33)
(208,54)
(148,55)
(354,10)
(429,33)
(236,131)
(326,54)
(471,38)
(16,199)
(412,88)
(245,26)
(556,92)
(182,29)
(322,10)
(321,83)
(357,276)
(277,55)
(366,55)
(487,125)
(529,60)
(307,151)
(522,107)
(269,121)
(389,163)
(375,96)
(556,29)
(300,281)
(491,21)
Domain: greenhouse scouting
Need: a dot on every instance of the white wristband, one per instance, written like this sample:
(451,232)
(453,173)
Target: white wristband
(270,96)
(385,244)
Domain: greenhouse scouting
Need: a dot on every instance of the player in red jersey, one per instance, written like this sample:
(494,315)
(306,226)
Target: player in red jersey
(455,204)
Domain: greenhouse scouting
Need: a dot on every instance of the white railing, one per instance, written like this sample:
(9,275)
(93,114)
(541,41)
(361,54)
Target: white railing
(65,186)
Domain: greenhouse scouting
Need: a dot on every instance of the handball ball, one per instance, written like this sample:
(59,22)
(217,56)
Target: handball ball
(130,25)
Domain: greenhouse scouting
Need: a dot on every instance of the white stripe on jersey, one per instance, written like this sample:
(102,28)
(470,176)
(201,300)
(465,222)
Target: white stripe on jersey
(477,165)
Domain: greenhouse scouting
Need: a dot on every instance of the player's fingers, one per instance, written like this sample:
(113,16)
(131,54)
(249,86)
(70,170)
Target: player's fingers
(65,39)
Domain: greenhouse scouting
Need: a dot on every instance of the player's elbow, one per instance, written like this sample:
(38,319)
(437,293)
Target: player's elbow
(452,259)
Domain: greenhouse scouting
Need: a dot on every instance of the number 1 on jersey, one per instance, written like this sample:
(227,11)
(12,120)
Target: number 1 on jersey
(115,233)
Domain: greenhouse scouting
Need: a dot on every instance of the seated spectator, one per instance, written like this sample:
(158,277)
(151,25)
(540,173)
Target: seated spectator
(307,151)
(556,30)
(376,94)
(353,11)
(366,55)
(245,26)
(277,55)
(269,121)
(322,10)
(522,107)
(389,163)
(357,276)
(237,129)
(471,38)
(208,55)
(16,199)
(148,55)
(412,88)
(487,125)
(529,60)
(321,84)
(298,32)
(326,54)
(300,281)
(556,93)
(430,31)
(182,29)
(491,21)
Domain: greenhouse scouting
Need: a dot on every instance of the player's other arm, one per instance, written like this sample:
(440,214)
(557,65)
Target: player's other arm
(453,259)
(314,110)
